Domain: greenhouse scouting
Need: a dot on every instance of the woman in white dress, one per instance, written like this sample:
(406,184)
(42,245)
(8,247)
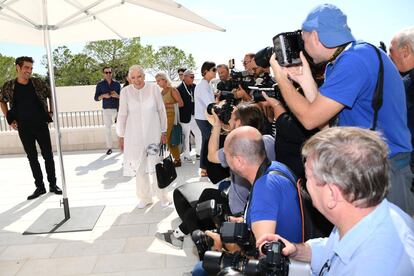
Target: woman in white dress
(142,121)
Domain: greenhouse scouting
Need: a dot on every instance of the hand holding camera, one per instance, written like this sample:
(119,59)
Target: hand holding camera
(289,250)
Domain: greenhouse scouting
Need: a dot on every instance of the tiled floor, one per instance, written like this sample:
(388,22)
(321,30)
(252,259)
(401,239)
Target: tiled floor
(121,243)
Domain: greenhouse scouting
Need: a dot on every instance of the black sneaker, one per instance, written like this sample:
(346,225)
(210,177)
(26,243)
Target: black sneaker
(38,192)
(108,152)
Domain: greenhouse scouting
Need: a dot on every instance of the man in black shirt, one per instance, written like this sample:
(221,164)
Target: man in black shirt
(29,115)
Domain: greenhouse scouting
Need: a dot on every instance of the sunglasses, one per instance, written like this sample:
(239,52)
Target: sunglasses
(213,69)
(108,72)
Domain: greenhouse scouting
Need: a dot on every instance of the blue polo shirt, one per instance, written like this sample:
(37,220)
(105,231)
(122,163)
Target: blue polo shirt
(382,243)
(351,81)
(274,197)
(104,87)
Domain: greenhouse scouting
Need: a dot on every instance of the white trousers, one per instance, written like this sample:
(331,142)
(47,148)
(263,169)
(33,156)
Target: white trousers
(187,128)
(109,115)
(147,186)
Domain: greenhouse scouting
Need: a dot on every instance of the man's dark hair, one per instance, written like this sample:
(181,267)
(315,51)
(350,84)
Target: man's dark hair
(21,60)
(106,67)
(181,70)
(206,67)
(250,115)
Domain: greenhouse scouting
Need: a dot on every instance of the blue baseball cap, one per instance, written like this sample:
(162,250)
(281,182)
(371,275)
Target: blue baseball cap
(330,24)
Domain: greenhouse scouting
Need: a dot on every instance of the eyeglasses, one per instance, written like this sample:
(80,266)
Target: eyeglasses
(108,72)
(213,69)
(181,74)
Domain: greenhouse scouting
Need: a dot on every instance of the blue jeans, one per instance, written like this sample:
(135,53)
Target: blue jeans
(205,129)
(198,270)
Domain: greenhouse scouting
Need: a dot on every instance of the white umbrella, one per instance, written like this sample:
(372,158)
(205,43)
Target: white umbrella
(68,21)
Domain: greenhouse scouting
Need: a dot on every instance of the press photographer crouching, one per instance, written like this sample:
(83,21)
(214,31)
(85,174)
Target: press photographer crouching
(348,179)
(235,199)
(273,205)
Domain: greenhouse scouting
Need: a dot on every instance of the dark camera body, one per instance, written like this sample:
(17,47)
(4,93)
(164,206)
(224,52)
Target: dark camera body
(286,46)
(243,78)
(273,263)
(224,108)
(239,233)
(211,210)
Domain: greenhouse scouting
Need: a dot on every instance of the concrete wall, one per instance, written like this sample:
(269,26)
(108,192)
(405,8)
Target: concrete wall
(72,139)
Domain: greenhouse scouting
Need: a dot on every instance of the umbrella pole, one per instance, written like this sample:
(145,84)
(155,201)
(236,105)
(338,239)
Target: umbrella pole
(56,119)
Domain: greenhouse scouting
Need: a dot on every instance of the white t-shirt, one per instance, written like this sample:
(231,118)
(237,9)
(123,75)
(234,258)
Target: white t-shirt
(203,96)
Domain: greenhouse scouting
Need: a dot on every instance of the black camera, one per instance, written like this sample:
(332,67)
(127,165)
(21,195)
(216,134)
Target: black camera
(286,46)
(211,210)
(243,78)
(202,242)
(273,263)
(223,109)
(266,84)
(239,233)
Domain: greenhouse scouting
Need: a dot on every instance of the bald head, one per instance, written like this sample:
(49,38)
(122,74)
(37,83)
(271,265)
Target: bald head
(246,142)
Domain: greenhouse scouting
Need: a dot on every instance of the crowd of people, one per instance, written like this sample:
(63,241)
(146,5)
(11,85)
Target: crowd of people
(326,168)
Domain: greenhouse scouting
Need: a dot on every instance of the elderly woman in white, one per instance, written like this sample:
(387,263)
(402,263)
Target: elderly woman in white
(142,121)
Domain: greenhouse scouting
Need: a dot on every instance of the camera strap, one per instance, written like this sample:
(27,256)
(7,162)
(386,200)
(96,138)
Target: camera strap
(377,99)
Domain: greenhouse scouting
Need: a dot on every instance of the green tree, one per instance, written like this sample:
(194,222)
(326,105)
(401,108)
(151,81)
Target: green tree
(120,54)
(7,69)
(169,58)
(73,69)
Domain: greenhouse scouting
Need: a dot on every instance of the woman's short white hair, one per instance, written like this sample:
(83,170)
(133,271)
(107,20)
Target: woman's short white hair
(163,76)
(135,67)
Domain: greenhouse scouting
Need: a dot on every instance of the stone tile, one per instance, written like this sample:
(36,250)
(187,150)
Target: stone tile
(123,231)
(129,261)
(16,238)
(186,257)
(28,251)
(58,266)
(138,244)
(8,268)
(158,272)
(85,248)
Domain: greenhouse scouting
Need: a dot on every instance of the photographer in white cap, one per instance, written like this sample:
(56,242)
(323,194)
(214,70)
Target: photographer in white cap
(351,78)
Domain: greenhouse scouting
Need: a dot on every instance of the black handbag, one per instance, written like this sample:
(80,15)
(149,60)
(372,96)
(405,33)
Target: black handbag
(165,170)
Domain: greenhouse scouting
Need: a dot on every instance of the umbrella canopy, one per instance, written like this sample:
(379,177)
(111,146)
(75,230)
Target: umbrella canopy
(69,21)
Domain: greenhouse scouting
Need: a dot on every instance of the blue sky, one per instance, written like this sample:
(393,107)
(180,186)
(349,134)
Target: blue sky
(250,26)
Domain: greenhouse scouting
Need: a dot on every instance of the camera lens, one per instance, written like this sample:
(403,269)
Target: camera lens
(262,57)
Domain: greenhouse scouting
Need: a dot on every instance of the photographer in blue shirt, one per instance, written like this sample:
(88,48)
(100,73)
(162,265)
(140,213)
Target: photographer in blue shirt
(348,90)
(347,173)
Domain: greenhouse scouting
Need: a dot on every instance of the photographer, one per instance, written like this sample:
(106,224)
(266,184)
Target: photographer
(239,188)
(273,205)
(348,90)
(242,115)
(347,171)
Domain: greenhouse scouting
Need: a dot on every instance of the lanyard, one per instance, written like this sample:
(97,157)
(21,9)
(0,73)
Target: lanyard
(189,93)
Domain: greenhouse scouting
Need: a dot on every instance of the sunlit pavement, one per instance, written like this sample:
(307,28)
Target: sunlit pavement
(122,241)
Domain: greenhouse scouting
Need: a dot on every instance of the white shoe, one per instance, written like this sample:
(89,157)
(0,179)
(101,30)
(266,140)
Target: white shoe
(143,204)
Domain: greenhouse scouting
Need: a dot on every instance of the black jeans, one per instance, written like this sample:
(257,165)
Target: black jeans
(40,133)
